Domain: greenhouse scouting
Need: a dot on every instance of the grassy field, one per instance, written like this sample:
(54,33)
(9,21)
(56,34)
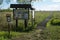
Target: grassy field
(39,16)
(52,32)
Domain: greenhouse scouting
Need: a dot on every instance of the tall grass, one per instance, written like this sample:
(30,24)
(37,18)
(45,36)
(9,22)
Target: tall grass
(54,30)
(39,16)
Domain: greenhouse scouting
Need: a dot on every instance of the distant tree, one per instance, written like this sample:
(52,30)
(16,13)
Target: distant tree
(7,1)
(24,1)
(1,1)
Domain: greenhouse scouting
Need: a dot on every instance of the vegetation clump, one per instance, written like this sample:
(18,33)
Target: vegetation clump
(55,21)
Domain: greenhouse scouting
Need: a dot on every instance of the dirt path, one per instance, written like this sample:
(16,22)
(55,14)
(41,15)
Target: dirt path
(39,26)
(42,24)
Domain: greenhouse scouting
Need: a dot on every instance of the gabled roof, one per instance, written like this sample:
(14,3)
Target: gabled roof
(21,6)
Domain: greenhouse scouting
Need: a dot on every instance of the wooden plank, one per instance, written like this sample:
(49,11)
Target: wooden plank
(20,6)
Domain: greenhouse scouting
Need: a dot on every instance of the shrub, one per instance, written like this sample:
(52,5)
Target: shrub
(55,21)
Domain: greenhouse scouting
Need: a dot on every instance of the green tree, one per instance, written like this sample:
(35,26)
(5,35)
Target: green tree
(1,1)
(24,1)
(7,1)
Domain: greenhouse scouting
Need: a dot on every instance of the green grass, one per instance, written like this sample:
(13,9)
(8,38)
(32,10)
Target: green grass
(54,30)
(39,16)
(51,33)
(4,35)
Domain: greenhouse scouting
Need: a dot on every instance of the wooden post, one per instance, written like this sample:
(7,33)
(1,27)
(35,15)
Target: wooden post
(16,21)
(26,19)
(8,29)
(33,17)
(16,24)
(8,16)
(33,14)
(25,22)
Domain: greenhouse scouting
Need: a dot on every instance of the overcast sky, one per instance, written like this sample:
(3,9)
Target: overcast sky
(48,5)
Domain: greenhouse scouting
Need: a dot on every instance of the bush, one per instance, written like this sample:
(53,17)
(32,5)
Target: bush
(6,10)
(55,21)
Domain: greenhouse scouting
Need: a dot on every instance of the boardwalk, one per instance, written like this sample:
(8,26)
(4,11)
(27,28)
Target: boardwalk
(35,35)
(44,22)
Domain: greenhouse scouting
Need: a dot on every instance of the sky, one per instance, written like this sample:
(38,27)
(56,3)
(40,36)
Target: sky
(43,5)
(48,5)
(6,4)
